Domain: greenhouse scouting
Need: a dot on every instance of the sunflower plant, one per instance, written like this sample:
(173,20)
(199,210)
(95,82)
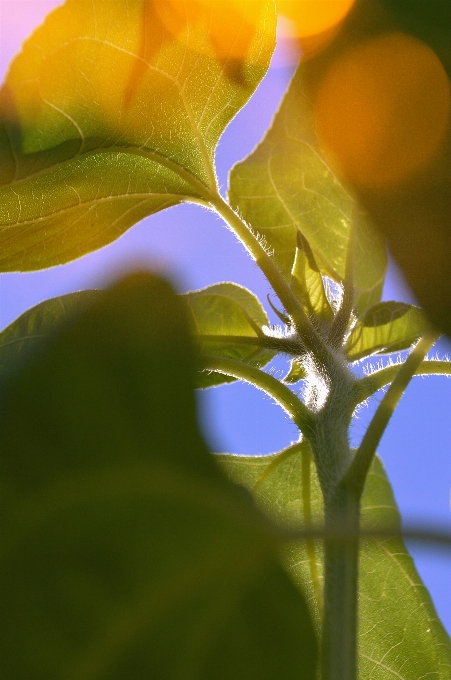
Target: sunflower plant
(129,551)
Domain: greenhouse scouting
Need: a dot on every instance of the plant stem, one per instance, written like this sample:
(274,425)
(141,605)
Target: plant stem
(339,640)
(370,384)
(281,394)
(285,345)
(312,340)
(359,467)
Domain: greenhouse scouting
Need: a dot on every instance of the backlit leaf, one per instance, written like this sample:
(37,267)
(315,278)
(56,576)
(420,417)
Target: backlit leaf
(400,633)
(230,310)
(285,185)
(125,552)
(386,327)
(26,334)
(296,373)
(113,111)
(307,282)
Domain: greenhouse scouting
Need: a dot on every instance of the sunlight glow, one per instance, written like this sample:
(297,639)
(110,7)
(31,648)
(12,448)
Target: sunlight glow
(382,110)
(230,26)
(311,23)
(312,17)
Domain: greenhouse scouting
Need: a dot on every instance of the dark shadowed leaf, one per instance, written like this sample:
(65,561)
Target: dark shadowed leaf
(386,327)
(229,310)
(414,215)
(113,111)
(125,552)
(25,335)
(286,186)
(415,644)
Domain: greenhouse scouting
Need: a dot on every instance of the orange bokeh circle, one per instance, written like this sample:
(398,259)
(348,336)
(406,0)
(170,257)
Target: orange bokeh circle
(312,17)
(383,108)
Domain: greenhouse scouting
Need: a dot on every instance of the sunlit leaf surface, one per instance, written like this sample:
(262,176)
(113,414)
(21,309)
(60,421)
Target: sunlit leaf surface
(229,310)
(386,327)
(125,552)
(113,111)
(285,185)
(296,373)
(400,633)
(307,282)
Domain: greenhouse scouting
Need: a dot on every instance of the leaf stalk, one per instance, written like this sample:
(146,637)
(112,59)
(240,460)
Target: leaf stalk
(367,386)
(281,394)
(310,337)
(359,467)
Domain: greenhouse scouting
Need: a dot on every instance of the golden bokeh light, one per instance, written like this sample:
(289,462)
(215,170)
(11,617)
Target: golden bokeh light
(311,24)
(382,109)
(312,17)
(231,26)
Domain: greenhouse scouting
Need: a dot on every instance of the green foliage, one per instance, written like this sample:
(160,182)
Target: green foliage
(125,552)
(400,633)
(307,282)
(385,327)
(87,152)
(228,310)
(286,186)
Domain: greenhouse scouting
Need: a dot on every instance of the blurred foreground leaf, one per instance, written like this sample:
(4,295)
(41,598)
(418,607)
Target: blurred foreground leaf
(30,331)
(414,213)
(125,552)
(400,633)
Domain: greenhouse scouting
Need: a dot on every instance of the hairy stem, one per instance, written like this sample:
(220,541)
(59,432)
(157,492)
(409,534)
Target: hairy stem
(281,394)
(359,467)
(370,384)
(284,345)
(309,336)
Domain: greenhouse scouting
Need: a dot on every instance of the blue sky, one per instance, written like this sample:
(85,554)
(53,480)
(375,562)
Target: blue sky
(193,248)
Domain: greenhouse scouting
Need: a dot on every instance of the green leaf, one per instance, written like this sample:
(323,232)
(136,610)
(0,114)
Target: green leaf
(296,373)
(25,335)
(285,186)
(400,633)
(229,310)
(125,552)
(307,282)
(386,327)
(109,115)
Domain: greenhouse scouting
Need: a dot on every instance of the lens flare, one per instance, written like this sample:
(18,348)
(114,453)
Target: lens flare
(311,17)
(230,26)
(311,24)
(382,109)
